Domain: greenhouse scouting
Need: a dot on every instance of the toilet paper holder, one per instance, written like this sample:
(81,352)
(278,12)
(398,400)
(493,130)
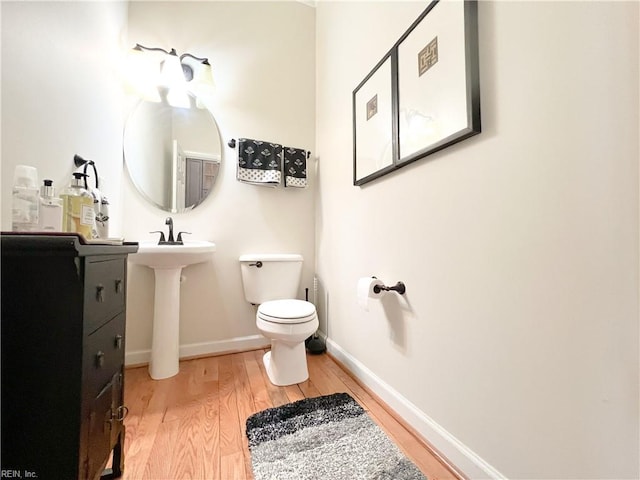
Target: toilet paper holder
(398,287)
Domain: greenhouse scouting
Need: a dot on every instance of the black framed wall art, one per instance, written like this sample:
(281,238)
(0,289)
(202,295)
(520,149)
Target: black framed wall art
(373,124)
(435,90)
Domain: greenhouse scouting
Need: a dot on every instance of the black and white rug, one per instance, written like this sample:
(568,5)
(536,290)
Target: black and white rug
(328,438)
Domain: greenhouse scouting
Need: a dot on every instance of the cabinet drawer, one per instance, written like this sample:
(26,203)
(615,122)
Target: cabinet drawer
(104,291)
(103,356)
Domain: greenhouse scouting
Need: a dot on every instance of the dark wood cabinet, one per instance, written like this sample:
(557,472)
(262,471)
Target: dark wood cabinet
(63,322)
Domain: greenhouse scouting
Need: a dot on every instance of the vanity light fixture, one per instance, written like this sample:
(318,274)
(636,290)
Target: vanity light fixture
(204,72)
(180,76)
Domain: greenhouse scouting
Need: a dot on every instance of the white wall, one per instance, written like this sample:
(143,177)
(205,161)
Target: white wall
(61,93)
(262,55)
(518,334)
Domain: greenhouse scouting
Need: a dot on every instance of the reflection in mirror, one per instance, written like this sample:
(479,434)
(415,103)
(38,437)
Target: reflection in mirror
(172,154)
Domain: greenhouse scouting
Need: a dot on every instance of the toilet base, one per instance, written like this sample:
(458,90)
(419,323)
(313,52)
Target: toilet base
(286,364)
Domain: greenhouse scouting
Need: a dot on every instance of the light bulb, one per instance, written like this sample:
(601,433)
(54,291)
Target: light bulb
(171,74)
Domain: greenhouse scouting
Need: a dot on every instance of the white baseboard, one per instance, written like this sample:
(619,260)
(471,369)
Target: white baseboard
(239,344)
(467,461)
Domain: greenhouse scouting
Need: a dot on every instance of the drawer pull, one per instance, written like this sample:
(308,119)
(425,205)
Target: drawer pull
(118,341)
(118,285)
(120,414)
(100,293)
(100,359)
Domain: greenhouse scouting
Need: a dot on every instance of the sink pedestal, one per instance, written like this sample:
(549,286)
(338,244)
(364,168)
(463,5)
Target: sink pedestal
(165,342)
(167,261)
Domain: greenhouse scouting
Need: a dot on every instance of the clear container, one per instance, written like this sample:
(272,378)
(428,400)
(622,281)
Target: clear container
(25,199)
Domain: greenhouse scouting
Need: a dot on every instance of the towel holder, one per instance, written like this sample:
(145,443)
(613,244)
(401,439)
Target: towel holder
(79,162)
(398,287)
(232,143)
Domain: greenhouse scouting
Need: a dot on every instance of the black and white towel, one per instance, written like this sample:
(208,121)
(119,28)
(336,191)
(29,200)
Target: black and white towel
(295,167)
(259,162)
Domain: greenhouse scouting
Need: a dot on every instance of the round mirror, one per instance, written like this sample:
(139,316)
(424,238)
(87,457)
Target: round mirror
(172,153)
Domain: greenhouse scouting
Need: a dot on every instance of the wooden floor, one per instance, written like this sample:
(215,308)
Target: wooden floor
(192,426)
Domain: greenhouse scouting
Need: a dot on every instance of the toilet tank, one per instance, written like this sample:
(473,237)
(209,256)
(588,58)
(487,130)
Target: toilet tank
(278,278)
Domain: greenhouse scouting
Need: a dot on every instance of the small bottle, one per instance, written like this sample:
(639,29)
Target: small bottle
(50,209)
(77,208)
(25,199)
(102,218)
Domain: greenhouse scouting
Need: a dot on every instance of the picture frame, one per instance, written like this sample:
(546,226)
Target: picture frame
(432,75)
(374,145)
(438,85)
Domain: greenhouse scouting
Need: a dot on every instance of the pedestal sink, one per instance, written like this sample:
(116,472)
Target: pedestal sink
(167,262)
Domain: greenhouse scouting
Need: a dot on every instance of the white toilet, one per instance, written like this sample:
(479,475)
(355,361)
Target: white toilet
(271,281)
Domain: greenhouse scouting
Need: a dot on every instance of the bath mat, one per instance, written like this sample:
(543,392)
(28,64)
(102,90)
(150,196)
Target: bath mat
(329,438)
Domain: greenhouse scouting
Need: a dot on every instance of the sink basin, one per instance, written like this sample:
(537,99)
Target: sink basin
(167,262)
(172,256)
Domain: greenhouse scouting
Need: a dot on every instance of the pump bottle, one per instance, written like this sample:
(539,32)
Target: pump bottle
(77,204)
(50,209)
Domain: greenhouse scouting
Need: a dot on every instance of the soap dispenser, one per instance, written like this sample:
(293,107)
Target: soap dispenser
(77,204)
(50,209)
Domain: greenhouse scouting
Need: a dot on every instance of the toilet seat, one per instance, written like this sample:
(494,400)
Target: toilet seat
(287,311)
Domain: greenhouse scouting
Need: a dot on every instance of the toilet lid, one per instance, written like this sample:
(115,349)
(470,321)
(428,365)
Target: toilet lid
(287,311)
